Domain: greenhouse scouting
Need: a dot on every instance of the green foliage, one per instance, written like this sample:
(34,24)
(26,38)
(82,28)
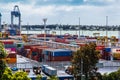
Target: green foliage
(5,72)
(112,76)
(54,78)
(3,52)
(39,77)
(7,75)
(3,55)
(88,55)
(20,75)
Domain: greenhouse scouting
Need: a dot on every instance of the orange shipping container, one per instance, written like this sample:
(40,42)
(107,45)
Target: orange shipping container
(11,60)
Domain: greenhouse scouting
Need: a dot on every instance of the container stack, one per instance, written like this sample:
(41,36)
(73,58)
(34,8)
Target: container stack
(57,55)
(116,53)
(33,52)
(11,50)
(107,53)
(37,52)
(60,40)
(11,58)
(9,44)
(100,48)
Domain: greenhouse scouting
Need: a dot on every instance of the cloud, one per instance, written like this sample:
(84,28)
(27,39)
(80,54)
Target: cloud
(101,2)
(64,14)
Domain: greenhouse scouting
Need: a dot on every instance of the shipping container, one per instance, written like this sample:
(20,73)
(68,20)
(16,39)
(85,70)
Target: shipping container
(29,52)
(58,52)
(64,76)
(28,46)
(59,58)
(50,71)
(11,55)
(100,47)
(106,55)
(107,49)
(12,32)
(11,60)
(7,41)
(19,45)
(43,67)
(10,45)
(116,56)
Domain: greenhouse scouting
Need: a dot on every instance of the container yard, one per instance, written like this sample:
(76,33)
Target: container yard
(53,56)
(66,44)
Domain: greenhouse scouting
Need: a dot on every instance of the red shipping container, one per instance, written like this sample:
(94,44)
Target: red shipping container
(29,46)
(35,58)
(29,52)
(60,58)
(35,48)
(100,47)
(7,41)
(11,55)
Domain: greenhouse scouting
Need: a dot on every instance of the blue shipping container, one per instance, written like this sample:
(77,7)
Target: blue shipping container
(34,77)
(58,52)
(62,53)
(107,49)
(12,32)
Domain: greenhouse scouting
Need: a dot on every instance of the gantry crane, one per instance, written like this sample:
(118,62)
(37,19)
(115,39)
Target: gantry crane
(16,13)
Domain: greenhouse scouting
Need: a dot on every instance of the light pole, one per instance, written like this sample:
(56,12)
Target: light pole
(106,30)
(106,25)
(79,27)
(82,75)
(44,20)
(0,22)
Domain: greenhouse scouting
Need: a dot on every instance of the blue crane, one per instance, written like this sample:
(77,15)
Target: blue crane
(15,13)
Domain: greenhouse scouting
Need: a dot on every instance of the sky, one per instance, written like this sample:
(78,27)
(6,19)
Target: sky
(90,12)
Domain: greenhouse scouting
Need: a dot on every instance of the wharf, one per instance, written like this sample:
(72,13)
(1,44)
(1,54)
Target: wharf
(26,63)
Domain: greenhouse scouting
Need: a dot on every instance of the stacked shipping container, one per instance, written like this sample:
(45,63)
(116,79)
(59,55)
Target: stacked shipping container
(57,55)
(11,49)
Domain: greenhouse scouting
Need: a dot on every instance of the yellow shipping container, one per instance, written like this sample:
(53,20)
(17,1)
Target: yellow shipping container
(116,55)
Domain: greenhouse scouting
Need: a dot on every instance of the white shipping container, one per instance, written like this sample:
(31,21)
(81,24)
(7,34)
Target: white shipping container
(115,50)
(43,67)
(50,71)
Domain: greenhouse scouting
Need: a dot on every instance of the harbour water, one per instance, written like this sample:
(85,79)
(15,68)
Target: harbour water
(73,32)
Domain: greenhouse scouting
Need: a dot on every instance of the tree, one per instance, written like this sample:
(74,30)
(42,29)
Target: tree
(5,72)
(84,60)
(19,75)
(39,77)
(112,76)
(53,78)
(3,55)
(7,75)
